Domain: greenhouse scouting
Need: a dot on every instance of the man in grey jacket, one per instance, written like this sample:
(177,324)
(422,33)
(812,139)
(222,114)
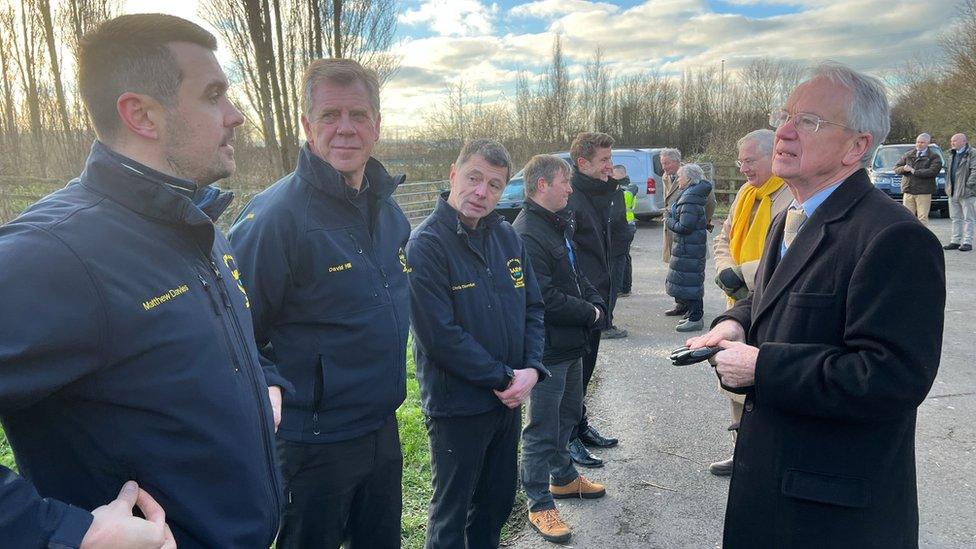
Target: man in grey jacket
(961,189)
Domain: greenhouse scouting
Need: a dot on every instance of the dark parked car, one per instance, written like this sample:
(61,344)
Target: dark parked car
(882,171)
(643,168)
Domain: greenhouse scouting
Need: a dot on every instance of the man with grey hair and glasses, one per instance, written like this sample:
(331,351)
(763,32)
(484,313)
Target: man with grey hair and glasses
(321,253)
(740,242)
(919,168)
(832,379)
(477,318)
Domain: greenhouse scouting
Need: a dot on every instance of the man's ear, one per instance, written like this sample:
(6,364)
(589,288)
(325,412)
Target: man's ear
(140,114)
(859,147)
(307,126)
(451,175)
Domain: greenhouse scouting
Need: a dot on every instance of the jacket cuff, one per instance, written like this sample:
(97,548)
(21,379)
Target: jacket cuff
(75,523)
(506,381)
(274,378)
(539,367)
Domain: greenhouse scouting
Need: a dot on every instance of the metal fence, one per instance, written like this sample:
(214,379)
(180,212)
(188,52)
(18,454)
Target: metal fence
(417,199)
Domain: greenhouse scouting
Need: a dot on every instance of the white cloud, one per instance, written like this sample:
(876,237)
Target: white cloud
(668,36)
(547,8)
(453,17)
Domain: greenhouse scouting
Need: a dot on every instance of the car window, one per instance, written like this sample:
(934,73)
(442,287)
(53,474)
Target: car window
(515,190)
(657,164)
(888,156)
(635,169)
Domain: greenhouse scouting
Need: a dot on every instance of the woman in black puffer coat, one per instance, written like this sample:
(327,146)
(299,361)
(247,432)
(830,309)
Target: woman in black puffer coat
(686,270)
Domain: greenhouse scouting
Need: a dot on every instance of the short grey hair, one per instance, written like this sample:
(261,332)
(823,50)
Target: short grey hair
(673,154)
(492,151)
(868,111)
(692,172)
(925,136)
(762,138)
(544,166)
(342,72)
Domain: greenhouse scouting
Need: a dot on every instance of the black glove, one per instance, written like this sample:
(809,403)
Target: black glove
(732,283)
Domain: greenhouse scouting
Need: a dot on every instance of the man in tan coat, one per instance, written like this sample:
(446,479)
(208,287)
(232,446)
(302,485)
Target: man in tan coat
(739,245)
(670,162)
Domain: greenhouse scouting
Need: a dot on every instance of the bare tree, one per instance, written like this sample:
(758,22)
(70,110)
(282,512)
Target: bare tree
(269,61)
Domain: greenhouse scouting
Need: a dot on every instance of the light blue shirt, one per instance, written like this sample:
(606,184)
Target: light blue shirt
(809,207)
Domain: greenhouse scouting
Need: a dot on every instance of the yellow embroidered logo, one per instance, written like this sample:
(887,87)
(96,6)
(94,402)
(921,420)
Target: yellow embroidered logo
(515,268)
(403,260)
(249,216)
(464,286)
(236,273)
(340,267)
(160,299)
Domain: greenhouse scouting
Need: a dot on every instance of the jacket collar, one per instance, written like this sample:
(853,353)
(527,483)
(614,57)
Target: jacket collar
(560,220)
(446,214)
(140,188)
(778,274)
(590,186)
(321,175)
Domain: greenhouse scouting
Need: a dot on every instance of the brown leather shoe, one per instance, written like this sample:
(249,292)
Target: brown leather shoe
(677,310)
(579,488)
(550,526)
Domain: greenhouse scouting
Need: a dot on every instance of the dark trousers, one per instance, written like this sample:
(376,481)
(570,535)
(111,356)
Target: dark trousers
(628,279)
(589,362)
(553,411)
(618,265)
(343,492)
(474,461)
(696,308)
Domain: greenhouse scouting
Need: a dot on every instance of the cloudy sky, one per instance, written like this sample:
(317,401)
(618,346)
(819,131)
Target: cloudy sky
(484,44)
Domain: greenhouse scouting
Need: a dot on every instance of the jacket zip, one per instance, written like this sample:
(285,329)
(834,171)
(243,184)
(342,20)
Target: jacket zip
(493,295)
(252,379)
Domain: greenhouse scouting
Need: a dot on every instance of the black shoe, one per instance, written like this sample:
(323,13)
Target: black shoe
(591,437)
(951,246)
(613,332)
(678,310)
(721,468)
(582,456)
(966,248)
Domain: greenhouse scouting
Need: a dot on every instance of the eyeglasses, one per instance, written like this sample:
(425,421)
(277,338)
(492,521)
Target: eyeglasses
(804,121)
(749,162)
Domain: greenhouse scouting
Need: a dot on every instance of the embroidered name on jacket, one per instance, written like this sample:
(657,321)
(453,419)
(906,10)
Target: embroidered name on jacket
(464,286)
(160,299)
(515,268)
(340,267)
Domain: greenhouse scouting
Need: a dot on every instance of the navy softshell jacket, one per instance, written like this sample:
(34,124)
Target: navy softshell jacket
(125,353)
(327,276)
(476,311)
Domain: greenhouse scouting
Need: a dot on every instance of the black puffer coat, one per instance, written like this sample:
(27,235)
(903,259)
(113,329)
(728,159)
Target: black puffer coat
(687,221)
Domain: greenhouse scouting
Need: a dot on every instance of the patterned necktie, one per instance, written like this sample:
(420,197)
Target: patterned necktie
(794,220)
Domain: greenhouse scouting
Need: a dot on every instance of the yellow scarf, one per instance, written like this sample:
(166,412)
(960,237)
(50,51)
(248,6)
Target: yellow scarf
(747,239)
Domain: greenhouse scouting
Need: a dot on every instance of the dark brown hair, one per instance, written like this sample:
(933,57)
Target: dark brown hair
(130,54)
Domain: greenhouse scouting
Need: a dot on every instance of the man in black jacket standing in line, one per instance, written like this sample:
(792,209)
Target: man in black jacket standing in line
(573,309)
(322,254)
(477,317)
(592,198)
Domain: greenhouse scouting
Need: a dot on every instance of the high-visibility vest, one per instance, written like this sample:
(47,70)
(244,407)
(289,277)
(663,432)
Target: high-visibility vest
(630,202)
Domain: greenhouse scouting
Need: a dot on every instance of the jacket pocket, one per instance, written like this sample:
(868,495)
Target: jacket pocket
(812,300)
(824,488)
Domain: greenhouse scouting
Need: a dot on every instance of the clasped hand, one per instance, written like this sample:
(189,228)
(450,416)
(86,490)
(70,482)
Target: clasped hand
(522,383)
